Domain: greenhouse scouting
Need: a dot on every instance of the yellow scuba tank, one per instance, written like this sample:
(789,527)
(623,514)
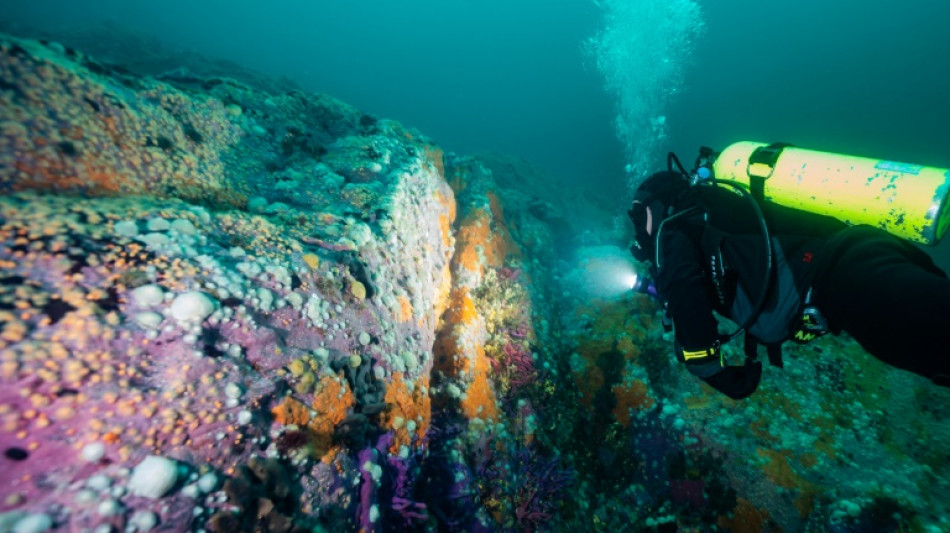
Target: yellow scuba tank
(908,201)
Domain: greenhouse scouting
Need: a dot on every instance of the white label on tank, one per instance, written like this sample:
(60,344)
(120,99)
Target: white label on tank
(892,166)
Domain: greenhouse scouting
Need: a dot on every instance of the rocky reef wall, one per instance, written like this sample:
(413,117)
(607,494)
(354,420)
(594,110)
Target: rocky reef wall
(224,308)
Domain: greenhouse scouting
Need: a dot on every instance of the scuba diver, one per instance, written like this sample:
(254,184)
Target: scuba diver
(717,239)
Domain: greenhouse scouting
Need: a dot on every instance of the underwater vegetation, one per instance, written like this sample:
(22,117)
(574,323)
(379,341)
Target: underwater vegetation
(224,308)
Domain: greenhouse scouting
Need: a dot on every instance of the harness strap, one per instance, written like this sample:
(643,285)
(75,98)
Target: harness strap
(761,166)
(775,355)
(774,351)
(751,347)
(757,187)
(659,232)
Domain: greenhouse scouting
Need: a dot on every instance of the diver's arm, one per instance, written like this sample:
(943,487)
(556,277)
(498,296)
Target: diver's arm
(682,282)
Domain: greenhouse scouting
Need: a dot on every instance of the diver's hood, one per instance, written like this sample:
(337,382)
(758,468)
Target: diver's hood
(664,193)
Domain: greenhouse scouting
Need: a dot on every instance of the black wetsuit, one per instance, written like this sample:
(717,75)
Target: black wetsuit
(883,291)
(889,296)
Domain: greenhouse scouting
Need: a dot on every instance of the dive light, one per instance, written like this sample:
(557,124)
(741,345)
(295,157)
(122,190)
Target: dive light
(644,285)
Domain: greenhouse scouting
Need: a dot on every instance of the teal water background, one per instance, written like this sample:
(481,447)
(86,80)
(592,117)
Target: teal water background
(866,78)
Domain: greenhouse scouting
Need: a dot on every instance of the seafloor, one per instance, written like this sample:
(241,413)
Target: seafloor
(230,305)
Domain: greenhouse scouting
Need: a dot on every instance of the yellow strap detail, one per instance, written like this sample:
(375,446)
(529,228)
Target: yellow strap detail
(805,336)
(697,354)
(760,170)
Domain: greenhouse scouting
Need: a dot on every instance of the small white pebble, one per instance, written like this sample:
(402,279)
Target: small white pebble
(109,507)
(33,523)
(93,452)
(365,338)
(410,360)
(154,240)
(233,391)
(373,513)
(143,520)
(149,320)
(157,224)
(192,307)
(153,477)
(295,300)
(190,491)
(148,296)
(202,214)
(127,228)
(86,496)
(184,226)
(244,417)
(208,482)
(99,482)
(377,473)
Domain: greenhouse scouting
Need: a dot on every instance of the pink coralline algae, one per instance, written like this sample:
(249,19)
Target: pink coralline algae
(519,362)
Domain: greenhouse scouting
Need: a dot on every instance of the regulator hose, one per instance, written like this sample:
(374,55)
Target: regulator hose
(672,159)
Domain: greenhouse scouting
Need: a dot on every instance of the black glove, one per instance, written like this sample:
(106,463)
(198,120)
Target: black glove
(700,363)
(737,382)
